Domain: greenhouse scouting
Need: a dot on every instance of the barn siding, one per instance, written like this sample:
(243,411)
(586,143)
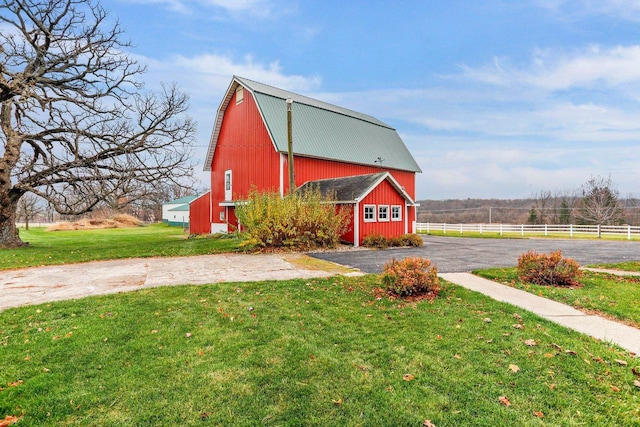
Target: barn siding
(245,148)
(383,194)
(200,215)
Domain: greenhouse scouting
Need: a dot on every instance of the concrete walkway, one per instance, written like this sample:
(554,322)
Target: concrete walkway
(598,327)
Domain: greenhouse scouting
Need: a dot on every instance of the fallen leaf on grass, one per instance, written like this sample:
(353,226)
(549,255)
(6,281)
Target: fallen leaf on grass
(15,383)
(621,362)
(614,388)
(9,419)
(504,400)
(530,342)
(636,383)
(538,414)
(571,352)
(518,326)
(514,368)
(428,423)
(188,335)
(408,377)
(636,371)
(337,402)
(457,356)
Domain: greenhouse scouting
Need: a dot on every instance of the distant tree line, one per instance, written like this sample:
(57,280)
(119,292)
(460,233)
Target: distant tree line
(597,201)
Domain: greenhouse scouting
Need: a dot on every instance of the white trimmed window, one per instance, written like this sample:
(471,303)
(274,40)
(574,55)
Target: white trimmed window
(396,213)
(383,213)
(369,213)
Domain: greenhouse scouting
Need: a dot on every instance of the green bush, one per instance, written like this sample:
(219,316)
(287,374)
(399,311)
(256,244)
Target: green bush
(411,239)
(548,269)
(411,277)
(378,241)
(302,220)
(375,240)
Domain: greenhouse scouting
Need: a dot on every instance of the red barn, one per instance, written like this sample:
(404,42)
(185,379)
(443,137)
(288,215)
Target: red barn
(358,159)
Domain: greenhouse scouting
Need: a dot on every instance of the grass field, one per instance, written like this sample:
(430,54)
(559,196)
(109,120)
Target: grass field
(60,247)
(319,352)
(613,296)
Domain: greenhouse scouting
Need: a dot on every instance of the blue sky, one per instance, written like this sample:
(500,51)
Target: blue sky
(494,98)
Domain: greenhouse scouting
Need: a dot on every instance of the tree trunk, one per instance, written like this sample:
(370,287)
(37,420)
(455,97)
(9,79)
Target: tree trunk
(9,236)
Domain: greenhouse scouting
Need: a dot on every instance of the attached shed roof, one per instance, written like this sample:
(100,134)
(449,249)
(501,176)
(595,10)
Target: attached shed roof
(320,130)
(353,189)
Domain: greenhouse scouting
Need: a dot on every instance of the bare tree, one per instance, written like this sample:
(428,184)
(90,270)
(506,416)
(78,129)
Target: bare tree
(75,125)
(599,203)
(29,207)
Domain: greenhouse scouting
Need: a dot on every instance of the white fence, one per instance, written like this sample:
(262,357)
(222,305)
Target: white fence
(570,230)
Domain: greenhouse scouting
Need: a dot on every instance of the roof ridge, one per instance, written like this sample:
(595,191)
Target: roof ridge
(314,102)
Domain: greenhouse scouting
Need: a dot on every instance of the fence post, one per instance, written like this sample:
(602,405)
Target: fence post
(546,233)
(428,228)
(570,230)
(522,230)
(480,229)
(628,232)
(444,228)
(501,229)
(460,228)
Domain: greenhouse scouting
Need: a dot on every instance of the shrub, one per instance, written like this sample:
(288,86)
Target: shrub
(411,277)
(303,220)
(411,239)
(375,240)
(548,269)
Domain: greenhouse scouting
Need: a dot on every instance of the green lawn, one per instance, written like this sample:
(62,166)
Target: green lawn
(320,352)
(612,296)
(60,247)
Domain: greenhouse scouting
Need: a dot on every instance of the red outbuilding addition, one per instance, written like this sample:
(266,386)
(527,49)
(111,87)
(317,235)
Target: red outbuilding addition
(359,160)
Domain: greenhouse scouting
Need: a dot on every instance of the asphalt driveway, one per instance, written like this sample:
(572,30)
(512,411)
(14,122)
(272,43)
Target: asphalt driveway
(459,254)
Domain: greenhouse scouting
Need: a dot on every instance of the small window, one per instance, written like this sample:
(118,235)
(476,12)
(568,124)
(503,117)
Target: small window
(383,213)
(239,95)
(369,213)
(396,213)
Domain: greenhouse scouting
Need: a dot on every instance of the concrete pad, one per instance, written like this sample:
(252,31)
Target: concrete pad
(625,336)
(55,283)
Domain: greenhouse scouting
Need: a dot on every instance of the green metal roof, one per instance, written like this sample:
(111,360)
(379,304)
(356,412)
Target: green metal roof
(321,130)
(181,200)
(181,208)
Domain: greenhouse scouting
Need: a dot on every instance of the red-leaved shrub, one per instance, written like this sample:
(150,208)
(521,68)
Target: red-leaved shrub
(548,269)
(411,277)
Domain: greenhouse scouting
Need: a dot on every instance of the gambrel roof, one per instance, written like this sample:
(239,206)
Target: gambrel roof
(353,189)
(320,130)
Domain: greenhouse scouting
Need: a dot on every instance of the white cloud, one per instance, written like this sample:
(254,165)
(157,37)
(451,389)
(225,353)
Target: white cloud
(554,70)
(576,9)
(256,8)
(207,76)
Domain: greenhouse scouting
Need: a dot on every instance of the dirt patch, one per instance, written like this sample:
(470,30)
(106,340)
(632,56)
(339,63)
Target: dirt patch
(314,264)
(116,221)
